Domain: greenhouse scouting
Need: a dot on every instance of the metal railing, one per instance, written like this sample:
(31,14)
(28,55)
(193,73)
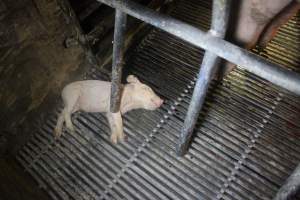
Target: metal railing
(117,60)
(216,47)
(208,67)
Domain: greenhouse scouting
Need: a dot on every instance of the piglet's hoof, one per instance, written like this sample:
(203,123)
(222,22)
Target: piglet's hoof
(121,137)
(125,138)
(57,134)
(71,129)
(114,138)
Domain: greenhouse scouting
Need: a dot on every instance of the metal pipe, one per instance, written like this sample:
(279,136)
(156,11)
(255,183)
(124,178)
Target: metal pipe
(291,186)
(247,60)
(209,62)
(220,17)
(117,60)
(209,65)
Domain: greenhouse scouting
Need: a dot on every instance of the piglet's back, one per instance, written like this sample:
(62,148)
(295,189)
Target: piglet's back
(91,95)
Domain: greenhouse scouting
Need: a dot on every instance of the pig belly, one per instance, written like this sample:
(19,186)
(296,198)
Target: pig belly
(95,96)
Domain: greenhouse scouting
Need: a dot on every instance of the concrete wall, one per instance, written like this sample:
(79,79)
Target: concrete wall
(34,63)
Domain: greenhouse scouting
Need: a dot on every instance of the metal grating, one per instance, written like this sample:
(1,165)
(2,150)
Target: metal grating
(245,146)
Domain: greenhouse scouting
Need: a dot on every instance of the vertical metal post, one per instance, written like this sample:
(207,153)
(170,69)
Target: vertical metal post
(117,60)
(208,67)
(290,187)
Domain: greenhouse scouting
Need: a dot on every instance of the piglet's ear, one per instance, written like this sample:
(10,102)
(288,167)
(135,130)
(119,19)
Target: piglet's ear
(132,79)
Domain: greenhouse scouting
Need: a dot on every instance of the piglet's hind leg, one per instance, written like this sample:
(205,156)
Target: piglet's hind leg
(69,124)
(59,125)
(70,100)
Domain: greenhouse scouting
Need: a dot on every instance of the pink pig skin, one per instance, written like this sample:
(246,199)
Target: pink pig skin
(253,17)
(94,96)
(257,22)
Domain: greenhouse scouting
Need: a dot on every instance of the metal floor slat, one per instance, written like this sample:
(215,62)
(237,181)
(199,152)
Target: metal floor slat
(245,145)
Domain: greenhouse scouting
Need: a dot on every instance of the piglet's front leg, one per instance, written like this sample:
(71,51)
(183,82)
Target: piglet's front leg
(116,126)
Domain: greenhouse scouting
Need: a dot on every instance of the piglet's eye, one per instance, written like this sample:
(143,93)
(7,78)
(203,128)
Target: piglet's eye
(147,88)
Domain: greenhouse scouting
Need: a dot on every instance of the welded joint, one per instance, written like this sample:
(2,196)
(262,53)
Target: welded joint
(214,33)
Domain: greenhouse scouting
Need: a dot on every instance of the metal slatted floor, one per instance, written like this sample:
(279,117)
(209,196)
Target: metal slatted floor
(246,142)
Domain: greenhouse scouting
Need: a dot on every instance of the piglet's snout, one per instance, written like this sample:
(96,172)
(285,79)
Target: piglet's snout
(158,101)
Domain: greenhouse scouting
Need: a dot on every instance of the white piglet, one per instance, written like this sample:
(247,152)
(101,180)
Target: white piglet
(94,96)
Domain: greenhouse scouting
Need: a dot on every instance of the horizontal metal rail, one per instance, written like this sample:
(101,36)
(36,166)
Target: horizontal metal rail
(247,60)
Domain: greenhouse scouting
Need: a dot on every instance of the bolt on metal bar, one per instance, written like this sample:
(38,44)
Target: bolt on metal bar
(209,65)
(247,60)
(117,60)
(291,186)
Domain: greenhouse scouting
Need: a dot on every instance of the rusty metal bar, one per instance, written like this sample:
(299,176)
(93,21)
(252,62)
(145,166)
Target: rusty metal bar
(209,65)
(117,60)
(247,60)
